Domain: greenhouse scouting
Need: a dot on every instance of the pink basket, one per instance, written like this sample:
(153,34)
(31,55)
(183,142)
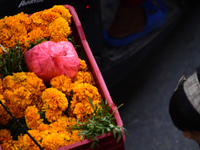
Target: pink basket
(106,142)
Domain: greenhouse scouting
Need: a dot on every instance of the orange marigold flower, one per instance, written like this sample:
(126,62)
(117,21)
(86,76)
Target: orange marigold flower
(49,16)
(4,116)
(43,127)
(36,86)
(19,78)
(59,29)
(52,115)
(9,83)
(81,94)
(38,33)
(79,111)
(84,77)
(62,83)
(5,136)
(5,34)
(1,107)
(1,87)
(62,123)
(12,29)
(23,43)
(24,20)
(54,103)
(32,117)
(63,12)
(25,142)
(16,111)
(6,139)
(8,146)
(75,137)
(37,19)
(53,141)
(21,98)
(17,101)
(8,96)
(83,65)
(54,99)
(23,88)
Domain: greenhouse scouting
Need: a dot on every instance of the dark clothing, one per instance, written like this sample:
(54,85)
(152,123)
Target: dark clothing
(13,7)
(131,3)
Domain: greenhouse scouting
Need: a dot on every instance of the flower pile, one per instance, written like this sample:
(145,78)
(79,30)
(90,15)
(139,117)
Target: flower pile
(65,111)
(51,24)
(46,111)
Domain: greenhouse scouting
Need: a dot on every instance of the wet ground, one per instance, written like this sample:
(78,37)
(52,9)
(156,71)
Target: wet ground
(146,89)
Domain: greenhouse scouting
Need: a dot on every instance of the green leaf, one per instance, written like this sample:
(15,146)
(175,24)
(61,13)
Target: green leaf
(117,109)
(119,137)
(36,42)
(114,133)
(82,137)
(99,123)
(12,61)
(91,103)
(3,49)
(40,112)
(103,131)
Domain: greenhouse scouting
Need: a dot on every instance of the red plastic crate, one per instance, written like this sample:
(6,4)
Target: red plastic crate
(106,142)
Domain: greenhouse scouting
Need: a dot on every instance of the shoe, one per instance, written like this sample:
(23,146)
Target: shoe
(154,19)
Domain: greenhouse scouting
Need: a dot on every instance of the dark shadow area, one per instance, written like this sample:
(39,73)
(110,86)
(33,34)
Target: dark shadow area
(146,89)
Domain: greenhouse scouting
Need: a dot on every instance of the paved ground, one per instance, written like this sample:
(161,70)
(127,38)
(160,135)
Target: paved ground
(146,90)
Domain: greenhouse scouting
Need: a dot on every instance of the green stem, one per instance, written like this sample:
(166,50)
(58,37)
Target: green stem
(9,66)
(14,59)
(117,109)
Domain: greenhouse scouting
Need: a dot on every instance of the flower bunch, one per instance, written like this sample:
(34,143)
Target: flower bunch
(51,24)
(54,104)
(48,111)
(54,115)
(20,91)
(79,88)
